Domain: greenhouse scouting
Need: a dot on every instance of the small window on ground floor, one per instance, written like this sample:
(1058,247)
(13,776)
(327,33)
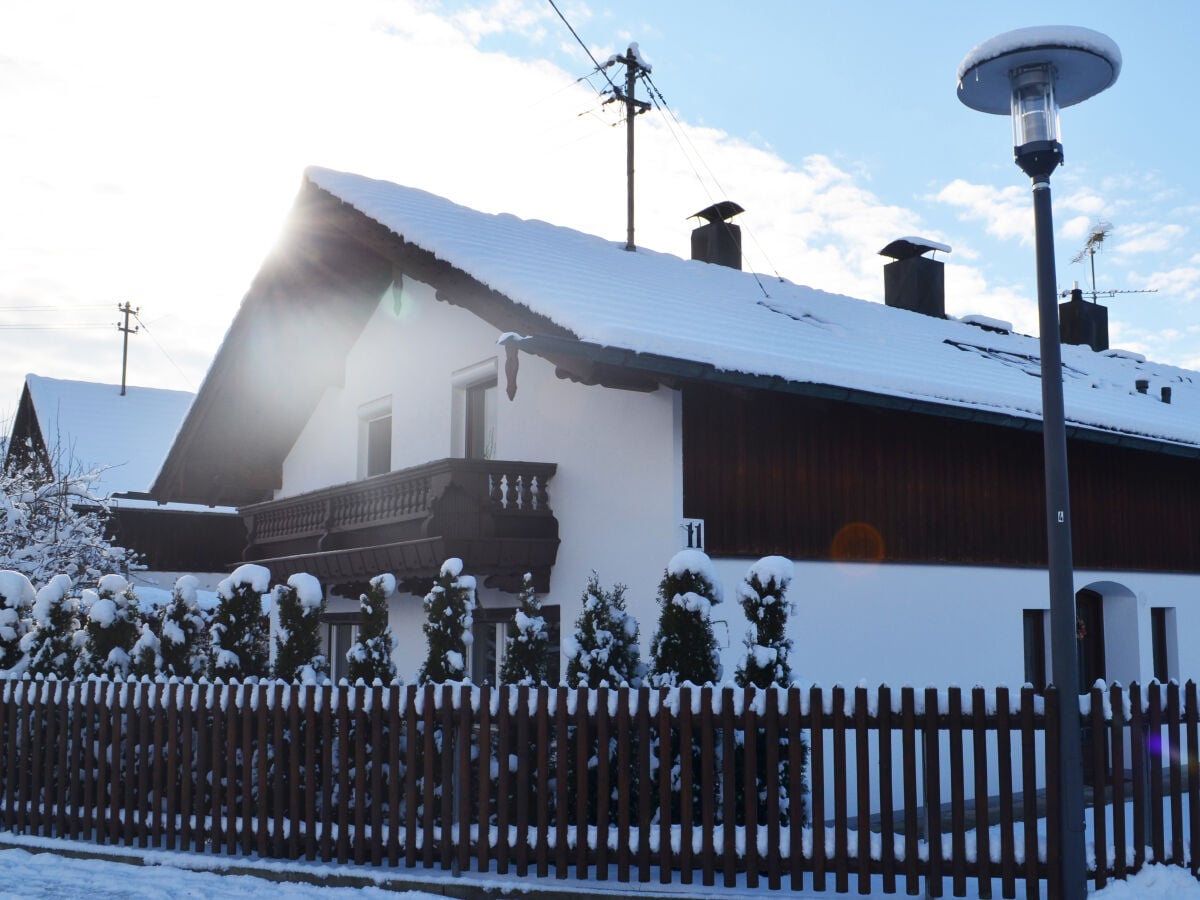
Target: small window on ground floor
(340,633)
(490,630)
(1035,648)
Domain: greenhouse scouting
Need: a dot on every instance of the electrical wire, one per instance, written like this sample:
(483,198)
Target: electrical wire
(657,97)
(599,68)
(191,385)
(58,326)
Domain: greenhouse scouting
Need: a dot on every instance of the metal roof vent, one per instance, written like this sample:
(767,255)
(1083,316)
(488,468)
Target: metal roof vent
(915,282)
(719,241)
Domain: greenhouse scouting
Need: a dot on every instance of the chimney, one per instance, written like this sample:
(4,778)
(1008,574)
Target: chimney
(915,282)
(1083,323)
(719,241)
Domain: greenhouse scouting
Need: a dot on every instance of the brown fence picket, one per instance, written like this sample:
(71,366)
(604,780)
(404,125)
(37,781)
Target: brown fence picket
(504,777)
(1029,792)
(774,880)
(603,784)
(294,815)
(663,738)
(1174,755)
(887,812)
(1116,701)
(187,799)
(983,843)
(1193,775)
(311,784)
(624,785)
(523,785)
(1008,883)
(816,760)
(360,725)
(958,823)
(562,779)
(73,758)
(410,779)
(428,723)
(1099,762)
(862,790)
(1137,761)
(728,789)
(1054,786)
(1158,837)
(933,794)
(446,774)
(543,781)
(644,783)
(377,840)
(33,759)
(687,781)
(908,747)
(841,841)
(484,776)
(462,780)
(795,744)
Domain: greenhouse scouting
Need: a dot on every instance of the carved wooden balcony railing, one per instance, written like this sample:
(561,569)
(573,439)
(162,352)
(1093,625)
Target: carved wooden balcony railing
(496,511)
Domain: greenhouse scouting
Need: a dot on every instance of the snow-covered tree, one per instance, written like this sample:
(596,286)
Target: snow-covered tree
(603,649)
(146,654)
(55,525)
(239,630)
(110,629)
(184,639)
(16,598)
(50,646)
(527,645)
(300,604)
(449,606)
(762,595)
(684,648)
(371,655)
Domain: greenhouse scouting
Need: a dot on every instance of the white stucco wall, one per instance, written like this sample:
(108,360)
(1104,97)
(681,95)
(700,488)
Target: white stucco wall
(617,493)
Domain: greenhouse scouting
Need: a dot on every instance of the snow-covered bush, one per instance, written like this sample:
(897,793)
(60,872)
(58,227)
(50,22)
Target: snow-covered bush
(527,644)
(50,646)
(54,525)
(449,606)
(371,656)
(300,604)
(146,653)
(603,649)
(16,598)
(110,629)
(684,648)
(239,630)
(762,595)
(183,632)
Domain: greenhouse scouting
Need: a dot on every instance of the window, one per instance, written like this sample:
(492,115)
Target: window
(1160,628)
(480,422)
(1035,648)
(341,631)
(487,650)
(375,438)
(474,407)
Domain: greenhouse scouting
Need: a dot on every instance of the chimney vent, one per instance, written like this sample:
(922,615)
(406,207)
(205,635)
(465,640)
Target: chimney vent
(915,282)
(1142,385)
(1165,393)
(1080,322)
(719,241)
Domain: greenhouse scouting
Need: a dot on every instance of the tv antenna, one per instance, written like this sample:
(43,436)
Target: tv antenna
(1096,237)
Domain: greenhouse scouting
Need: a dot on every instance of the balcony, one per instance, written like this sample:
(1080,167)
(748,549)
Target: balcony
(493,514)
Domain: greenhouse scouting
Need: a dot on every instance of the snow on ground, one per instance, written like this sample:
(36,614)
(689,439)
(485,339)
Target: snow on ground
(25,874)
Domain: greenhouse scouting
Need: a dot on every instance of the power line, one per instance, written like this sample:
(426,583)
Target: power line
(163,349)
(599,68)
(59,326)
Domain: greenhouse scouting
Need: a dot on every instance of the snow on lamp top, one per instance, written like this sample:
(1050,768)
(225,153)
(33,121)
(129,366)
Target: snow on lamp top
(1082,62)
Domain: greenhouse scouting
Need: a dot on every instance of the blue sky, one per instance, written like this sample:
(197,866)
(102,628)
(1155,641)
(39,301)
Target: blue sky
(152,150)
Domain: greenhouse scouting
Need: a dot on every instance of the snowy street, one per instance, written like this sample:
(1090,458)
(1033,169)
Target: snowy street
(29,875)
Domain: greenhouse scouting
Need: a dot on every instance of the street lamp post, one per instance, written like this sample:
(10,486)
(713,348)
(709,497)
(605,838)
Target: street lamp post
(1029,74)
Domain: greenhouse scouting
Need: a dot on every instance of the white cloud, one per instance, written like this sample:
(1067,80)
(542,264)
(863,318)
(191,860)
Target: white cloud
(1006,212)
(1155,238)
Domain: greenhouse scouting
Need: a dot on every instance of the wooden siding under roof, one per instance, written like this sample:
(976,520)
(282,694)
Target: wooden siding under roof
(816,480)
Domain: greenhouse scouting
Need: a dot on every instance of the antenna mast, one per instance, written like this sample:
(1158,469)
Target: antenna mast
(634,67)
(1099,232)
(126,332)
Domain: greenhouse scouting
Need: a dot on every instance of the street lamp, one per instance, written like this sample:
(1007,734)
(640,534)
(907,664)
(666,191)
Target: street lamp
(1029,74)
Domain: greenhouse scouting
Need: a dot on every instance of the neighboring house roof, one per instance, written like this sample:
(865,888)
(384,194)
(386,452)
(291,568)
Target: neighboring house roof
(577,295)
(91,427)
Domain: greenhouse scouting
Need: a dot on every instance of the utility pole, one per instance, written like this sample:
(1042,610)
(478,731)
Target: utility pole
(126,331)
(634,66)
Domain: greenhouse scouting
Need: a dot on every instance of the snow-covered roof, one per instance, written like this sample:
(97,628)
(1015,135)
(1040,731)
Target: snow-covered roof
(737,323)
(91,426)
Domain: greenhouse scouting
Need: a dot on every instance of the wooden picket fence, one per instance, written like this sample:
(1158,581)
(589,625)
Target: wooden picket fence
(906,789)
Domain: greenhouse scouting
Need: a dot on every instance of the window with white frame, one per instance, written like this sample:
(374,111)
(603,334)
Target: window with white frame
(475,406)
(375,437)
(489,630)
(340,633)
